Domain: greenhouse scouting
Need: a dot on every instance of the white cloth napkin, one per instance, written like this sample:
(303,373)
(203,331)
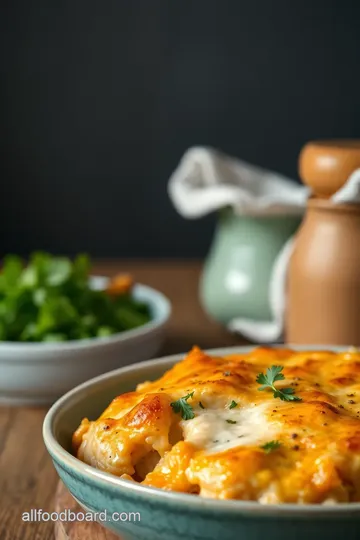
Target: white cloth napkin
(207,180)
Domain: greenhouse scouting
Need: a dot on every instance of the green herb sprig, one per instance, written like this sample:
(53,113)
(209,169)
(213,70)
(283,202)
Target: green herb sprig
(181,406)
(268,379)
(270,446)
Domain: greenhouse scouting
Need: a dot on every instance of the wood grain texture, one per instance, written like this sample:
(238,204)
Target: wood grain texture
(27,477)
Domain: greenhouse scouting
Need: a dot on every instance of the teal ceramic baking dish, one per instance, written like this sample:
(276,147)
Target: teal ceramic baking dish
(143,513)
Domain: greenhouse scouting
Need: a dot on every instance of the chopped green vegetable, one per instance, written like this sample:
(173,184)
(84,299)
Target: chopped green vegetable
(181,406)
(231,421)
(104,331)
(51,300)
(233,404)
(270,446)
(54,337)
(201,405)
(268,379)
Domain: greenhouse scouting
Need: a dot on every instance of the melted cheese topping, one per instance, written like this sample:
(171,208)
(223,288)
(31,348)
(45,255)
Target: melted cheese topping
(219,452)
(217,430)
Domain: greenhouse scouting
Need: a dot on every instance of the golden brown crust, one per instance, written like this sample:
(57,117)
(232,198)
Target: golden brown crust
(318,459)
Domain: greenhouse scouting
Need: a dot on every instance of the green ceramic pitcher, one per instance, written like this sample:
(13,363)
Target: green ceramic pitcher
(236,275)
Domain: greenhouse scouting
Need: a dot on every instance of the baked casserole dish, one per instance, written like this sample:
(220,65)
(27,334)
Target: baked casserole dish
(271,425)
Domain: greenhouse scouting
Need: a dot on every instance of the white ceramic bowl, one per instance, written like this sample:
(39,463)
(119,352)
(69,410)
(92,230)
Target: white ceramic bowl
(38,373)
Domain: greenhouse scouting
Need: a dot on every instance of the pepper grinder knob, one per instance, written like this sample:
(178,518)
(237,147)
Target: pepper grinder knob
(325,166)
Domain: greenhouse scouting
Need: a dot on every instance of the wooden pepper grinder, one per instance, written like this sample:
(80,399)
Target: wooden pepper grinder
(324,270)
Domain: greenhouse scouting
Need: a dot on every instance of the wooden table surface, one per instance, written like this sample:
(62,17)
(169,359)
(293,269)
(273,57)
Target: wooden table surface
(27,477)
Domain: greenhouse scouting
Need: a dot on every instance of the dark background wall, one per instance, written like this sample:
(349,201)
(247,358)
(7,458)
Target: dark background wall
(99,100)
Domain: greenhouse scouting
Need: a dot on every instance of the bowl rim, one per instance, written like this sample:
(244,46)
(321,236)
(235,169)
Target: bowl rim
(58,453)
(150,295)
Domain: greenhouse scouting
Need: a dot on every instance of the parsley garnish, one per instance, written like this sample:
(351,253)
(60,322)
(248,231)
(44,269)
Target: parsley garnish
(232,405)
(181,406)
(268,379)
(227,373)
(270,446)
(201,405)
(231,421)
